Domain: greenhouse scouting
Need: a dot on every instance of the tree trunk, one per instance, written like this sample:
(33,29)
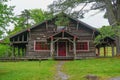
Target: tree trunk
(117,46)
(114,19)
(118,12)
(118,23)
(110,12)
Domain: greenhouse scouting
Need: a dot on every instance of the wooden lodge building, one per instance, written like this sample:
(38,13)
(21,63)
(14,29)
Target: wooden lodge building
(47,40)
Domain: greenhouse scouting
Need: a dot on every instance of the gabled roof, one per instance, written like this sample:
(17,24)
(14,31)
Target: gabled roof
(86,25)
(29,28)
(66,34)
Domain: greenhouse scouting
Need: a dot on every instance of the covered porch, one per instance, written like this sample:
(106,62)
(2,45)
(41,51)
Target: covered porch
(61,44)
(102,48)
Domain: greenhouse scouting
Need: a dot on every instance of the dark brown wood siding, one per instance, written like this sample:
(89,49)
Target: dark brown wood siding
(47,29)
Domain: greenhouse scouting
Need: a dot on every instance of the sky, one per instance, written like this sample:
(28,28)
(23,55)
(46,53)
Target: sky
(95,21)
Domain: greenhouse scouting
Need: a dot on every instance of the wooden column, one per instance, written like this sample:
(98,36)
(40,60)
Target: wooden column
(23,38)
(51,46)
(13,51)
(104,51)
(28,36)
(18,51)
(23,52)
(18,38)
(74,46)
(98,51)
(113,53)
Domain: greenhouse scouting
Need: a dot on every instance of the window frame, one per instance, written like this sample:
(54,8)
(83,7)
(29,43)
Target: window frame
(87,45)
(40,42)
(88,48)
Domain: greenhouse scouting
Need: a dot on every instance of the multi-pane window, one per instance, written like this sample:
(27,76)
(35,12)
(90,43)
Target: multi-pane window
(41,46)
(82,46)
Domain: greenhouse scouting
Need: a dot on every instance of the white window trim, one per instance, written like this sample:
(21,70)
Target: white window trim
(39,50)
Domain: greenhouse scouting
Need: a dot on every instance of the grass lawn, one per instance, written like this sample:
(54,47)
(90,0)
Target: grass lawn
(33,70)
(103,67)
(28,70)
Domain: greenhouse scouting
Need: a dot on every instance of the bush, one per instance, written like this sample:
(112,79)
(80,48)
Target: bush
(4,50)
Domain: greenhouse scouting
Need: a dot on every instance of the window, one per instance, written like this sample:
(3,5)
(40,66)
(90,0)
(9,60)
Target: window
(41,46)
(60,28)
(82,46)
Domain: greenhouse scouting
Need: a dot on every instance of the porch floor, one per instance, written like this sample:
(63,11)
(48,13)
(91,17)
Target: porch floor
(64,57)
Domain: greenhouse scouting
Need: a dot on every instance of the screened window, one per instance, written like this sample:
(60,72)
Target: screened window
(41,46)
(82,46)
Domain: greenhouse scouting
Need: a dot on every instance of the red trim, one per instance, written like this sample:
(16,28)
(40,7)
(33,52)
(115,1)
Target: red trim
(63,31)
(28,29)
(41,46)
(51,37)
(82,46)
(61,48)
(75,37)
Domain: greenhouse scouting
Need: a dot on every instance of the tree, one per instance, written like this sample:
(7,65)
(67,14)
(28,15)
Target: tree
(38,15)
(112,11)
(6,16)
(62,20)
(27,18)
(22,20)
(105,31)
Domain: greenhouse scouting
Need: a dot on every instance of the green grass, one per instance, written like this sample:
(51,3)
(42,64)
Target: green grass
(27,70)
(104,68)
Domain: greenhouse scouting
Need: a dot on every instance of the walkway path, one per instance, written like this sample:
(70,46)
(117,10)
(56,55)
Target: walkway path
(60,75)
(117,78)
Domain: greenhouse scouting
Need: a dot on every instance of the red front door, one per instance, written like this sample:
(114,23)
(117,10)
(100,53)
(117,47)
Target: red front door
(61,48)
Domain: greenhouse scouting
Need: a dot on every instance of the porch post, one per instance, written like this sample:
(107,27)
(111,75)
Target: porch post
(18,51)
(22,51)
(13,51)
(104,51)
(51,46)
(112,46)
(98,51)
(74,47)
(25,51)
